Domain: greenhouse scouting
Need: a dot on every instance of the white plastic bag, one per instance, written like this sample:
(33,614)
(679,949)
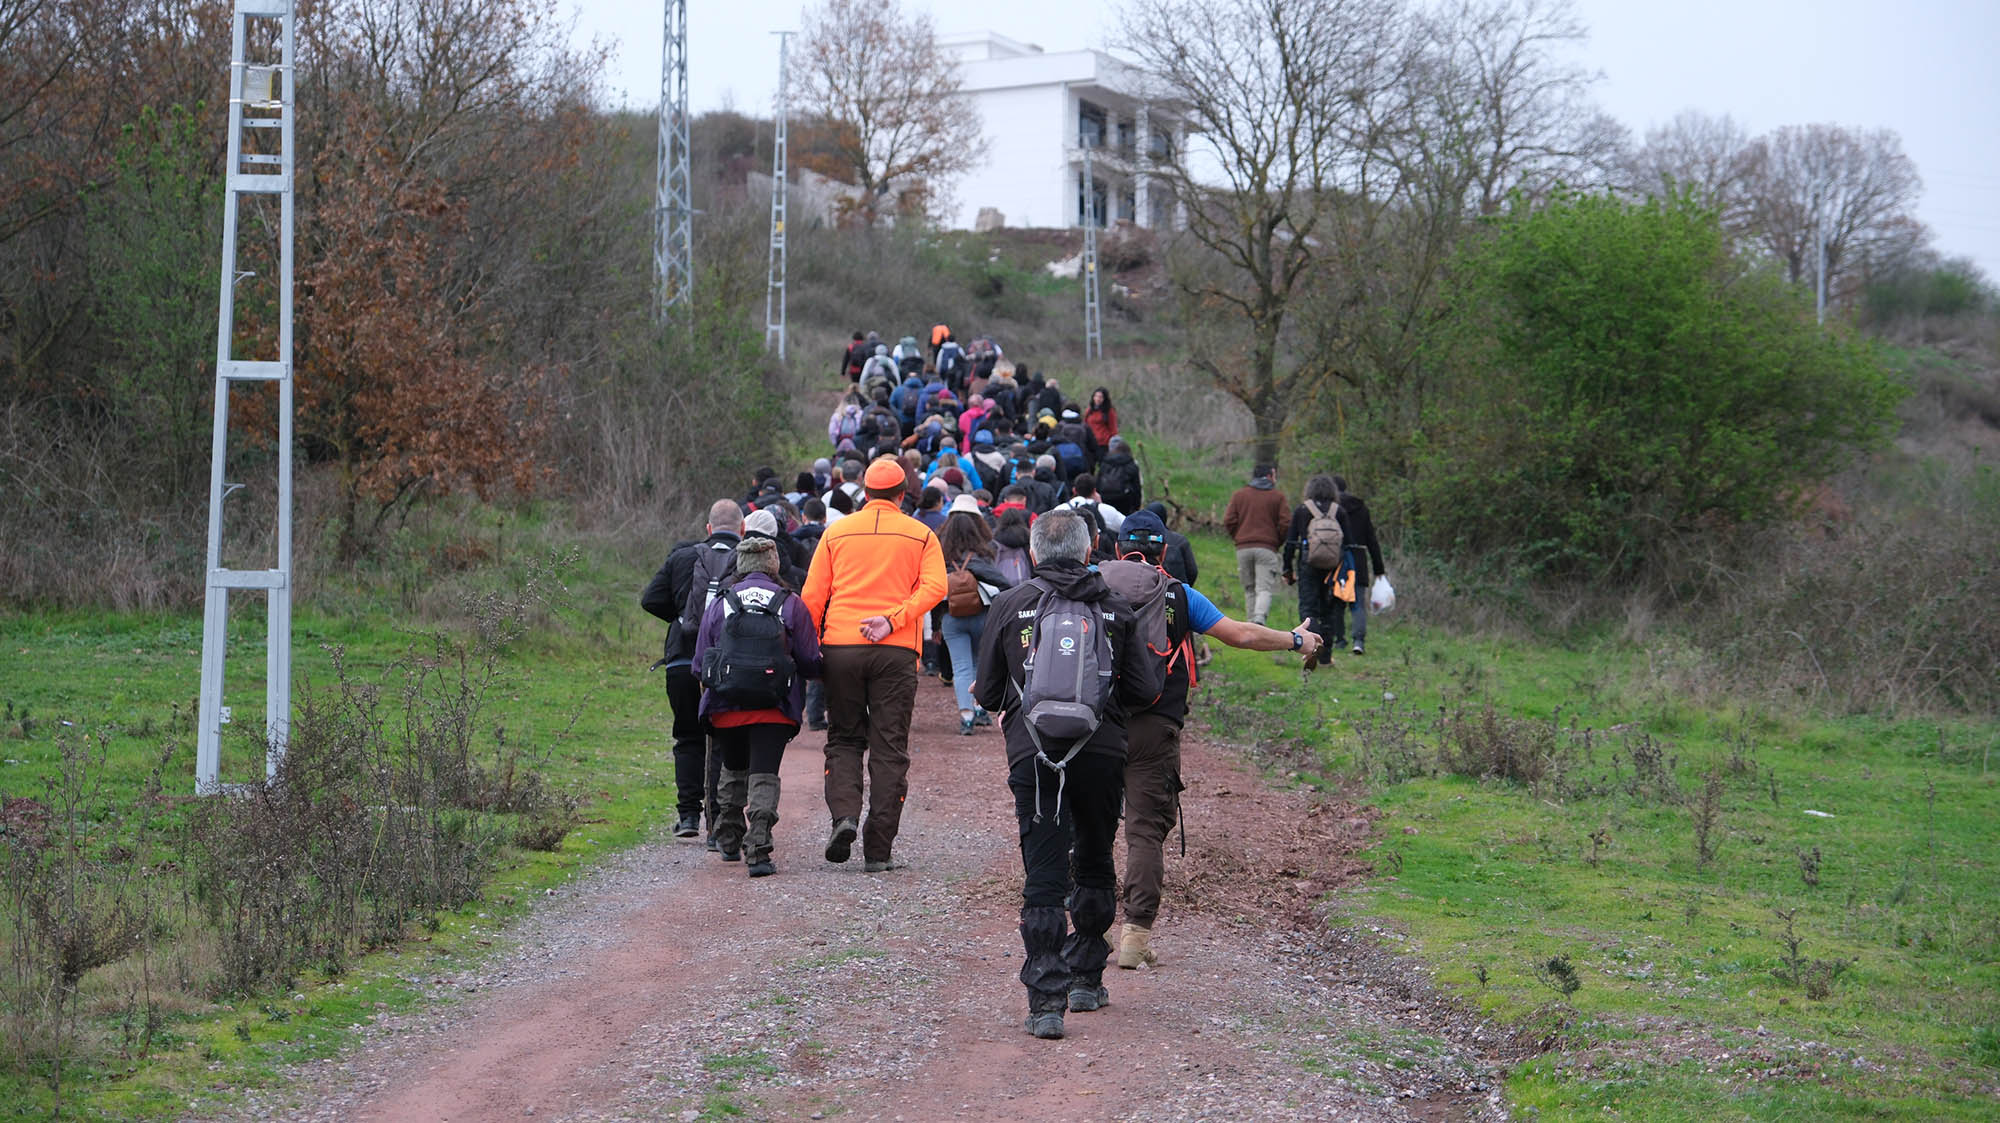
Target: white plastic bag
(1381,594)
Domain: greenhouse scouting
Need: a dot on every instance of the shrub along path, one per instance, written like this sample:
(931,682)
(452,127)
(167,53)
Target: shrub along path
(668,985)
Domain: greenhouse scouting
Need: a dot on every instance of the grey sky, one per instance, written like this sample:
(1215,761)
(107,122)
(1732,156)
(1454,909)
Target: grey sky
(1921,67)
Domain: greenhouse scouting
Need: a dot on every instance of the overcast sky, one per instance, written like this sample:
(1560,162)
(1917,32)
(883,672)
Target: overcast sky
(1925,68)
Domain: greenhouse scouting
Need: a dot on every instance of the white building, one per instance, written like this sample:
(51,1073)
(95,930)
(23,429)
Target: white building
(1036,111)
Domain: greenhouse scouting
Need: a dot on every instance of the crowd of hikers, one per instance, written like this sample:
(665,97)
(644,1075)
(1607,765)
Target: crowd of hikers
(973,522)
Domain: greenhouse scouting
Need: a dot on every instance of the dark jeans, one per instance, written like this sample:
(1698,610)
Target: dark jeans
(695,768)
(871,691)
(754,748)
(1152,779)
(1066,860)
(815,702)
(1318,604)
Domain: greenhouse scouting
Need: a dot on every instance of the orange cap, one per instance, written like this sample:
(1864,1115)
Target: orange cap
(885,473)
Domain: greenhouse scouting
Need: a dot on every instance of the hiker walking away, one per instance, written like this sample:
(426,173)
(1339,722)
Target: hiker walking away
(756,648)
(875,575)
(1063,665)
(1169,615)
(1118,477)
(971,580)
(1101,416)
(857,352)
(1050,398)
(1317,541)
(692,575)
(1256,520)
(1010,540)
(1364,554)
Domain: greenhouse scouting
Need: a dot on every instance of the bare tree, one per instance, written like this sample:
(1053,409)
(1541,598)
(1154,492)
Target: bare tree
(1710,158)
(1274,92)
(1853,189)
(1506,104)
(899,127)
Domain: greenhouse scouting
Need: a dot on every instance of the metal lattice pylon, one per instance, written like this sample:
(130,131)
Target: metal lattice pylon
(774,296)
(261,155)
(673,204)
(1093,317)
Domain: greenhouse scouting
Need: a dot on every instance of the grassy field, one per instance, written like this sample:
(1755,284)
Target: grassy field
(1834,954)
(575,692)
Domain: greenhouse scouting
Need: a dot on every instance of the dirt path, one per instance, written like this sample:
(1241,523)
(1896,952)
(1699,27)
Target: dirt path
(667,985)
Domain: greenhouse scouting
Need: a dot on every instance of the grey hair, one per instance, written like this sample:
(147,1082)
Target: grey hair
(1058,536)
(757,554)
(725,516)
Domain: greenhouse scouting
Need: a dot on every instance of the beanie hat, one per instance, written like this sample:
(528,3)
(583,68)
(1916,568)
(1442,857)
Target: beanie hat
(952,476)
(983,437)
(762,522)
(757,555)
(885,473)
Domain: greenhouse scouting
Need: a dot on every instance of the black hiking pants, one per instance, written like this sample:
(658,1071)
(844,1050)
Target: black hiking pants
(1069,888)
(695,768)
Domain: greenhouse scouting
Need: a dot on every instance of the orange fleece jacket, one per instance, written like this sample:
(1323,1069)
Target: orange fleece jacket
(877,561)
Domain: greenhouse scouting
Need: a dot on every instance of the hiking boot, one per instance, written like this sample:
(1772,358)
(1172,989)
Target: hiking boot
(1046,1025)
(764,868)
(1086,998)
(713,846)
(687,826)
(841,845)
(981,717)
(879,865)
(731,855)
(1357,647)
(965,727)
(1135,948)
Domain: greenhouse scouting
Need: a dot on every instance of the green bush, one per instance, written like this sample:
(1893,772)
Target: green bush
(1613,380)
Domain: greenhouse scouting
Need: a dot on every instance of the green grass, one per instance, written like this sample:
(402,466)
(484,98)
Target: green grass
(134,679)
(1486,875)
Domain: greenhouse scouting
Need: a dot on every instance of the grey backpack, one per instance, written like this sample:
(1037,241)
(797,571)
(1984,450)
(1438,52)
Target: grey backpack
(1066,679)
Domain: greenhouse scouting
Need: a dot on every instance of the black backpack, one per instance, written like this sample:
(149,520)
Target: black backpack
(750,664)
(713,563)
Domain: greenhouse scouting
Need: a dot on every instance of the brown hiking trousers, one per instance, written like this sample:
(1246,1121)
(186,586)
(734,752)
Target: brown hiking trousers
(1152,778)
(871,692)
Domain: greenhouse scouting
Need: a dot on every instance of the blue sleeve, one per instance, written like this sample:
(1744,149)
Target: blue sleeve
(1202,613)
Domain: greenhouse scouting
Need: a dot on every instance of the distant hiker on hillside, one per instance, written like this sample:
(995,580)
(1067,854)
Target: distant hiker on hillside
(1153,733)
(1118,477)
(756,649)
(1062,662)
(1317,542)
(1102,417)
(875,575)
(679,593)
(1256,520)
(857,353)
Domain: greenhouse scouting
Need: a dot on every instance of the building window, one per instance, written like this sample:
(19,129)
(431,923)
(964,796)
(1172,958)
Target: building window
(1160,145)
(1097,202)
(1089,125)
(1128,137)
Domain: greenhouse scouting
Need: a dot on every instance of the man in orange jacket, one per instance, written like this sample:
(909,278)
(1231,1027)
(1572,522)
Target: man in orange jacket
(876,574)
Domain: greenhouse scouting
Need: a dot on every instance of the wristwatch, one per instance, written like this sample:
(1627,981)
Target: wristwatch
(1298,640)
